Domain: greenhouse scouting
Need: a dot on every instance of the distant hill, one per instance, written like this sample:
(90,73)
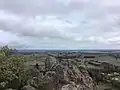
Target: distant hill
(30,51)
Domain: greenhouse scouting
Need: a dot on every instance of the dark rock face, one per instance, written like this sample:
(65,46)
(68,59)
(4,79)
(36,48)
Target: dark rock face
(96,75)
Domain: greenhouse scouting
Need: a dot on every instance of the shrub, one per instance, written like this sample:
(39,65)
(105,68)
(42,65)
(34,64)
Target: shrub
(11,66)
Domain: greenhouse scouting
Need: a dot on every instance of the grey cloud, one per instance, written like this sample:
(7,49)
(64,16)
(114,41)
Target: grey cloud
(19,45)
(91,22)
(92,8)
(52,33)
(34,7)
(38,31)
(15,44)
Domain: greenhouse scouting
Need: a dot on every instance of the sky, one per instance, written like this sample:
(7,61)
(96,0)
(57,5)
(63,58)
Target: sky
(60,24)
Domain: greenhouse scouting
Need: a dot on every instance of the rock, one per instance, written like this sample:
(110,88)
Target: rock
(59,72)
(53,80)
(50,62)
(10,89)
(70,77)
(31,82)
(69,87)
(28,87)
(115,82)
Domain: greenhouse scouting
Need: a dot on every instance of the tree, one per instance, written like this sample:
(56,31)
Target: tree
(7,51)
(11,66)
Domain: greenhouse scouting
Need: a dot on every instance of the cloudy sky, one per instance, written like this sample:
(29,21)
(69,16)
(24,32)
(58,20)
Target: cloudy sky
(60,24)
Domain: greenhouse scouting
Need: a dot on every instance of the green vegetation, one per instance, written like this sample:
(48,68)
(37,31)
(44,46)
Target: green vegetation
(14,73)
(41,71)
(11,66)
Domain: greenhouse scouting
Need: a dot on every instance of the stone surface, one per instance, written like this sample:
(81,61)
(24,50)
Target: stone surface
(28,87)
(70,77)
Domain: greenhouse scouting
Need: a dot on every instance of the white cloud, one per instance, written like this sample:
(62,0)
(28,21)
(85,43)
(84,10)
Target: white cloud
(61,24)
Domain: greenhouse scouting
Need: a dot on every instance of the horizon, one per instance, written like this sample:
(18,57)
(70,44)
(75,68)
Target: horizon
(84,50)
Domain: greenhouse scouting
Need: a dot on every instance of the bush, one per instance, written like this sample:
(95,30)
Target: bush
(13,73)
(11,66)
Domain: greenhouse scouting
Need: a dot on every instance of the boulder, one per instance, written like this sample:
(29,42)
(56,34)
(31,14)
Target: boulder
(50,62)
(69,87)
(28,87)
(10,89)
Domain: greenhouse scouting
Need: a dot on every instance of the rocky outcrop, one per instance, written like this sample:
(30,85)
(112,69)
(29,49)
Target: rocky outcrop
(61,75)
(70,77)
(49,63)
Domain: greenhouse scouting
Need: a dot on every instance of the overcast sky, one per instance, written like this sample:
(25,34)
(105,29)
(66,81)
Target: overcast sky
(60,24)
